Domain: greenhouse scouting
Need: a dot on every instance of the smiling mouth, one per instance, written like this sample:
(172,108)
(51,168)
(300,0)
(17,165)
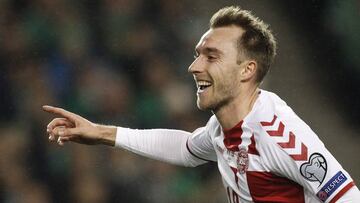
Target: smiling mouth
(202,85)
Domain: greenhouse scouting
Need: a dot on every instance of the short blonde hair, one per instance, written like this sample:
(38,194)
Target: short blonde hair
(257,42)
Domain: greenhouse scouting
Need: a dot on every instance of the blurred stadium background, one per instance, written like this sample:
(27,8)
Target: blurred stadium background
(125,63)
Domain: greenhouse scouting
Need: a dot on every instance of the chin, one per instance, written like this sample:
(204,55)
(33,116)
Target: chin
(200,105)
(203,106)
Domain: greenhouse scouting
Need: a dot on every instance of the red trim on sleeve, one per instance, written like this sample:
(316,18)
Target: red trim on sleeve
(342,192)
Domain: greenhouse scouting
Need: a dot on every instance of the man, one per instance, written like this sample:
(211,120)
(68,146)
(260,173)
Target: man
(264,151)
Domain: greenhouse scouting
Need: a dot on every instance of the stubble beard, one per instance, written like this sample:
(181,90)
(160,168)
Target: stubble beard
(216,102)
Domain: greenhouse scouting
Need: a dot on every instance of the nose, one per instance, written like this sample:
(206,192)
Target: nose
(195,66)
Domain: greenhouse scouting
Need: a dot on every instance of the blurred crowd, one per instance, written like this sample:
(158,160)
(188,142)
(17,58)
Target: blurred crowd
(119,62)
(124,62)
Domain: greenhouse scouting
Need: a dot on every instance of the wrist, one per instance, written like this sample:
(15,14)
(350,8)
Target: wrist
(107,134)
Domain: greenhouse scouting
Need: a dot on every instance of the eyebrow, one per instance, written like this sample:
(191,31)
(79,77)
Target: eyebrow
(209,50)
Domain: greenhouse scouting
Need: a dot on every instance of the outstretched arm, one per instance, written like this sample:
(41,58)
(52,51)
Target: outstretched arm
(171,146)
(72,127)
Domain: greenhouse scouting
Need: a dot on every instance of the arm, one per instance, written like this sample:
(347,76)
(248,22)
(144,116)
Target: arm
(162,144)
(295,151)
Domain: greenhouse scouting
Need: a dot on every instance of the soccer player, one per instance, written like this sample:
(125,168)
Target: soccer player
(264,151)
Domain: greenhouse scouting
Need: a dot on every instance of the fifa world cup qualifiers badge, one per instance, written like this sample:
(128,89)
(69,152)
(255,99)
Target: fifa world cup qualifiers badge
(315,169)
(242,161)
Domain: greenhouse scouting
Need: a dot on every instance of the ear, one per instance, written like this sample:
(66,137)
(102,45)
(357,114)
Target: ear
(248,71)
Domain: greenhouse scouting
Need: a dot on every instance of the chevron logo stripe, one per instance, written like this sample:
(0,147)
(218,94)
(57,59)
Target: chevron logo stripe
(278,132)
(264,123)
(290,143)
(302,156)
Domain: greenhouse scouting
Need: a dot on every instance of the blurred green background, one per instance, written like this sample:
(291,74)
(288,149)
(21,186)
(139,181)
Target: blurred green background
(125,63)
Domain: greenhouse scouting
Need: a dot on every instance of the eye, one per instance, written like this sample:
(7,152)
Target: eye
(211,58)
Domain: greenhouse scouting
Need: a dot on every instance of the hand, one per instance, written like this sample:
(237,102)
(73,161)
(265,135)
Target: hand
(72,127)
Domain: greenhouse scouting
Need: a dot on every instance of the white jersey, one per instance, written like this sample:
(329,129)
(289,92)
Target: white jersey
(269,156)
(272,156)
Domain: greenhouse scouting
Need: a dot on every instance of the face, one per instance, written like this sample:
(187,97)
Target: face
(215,68)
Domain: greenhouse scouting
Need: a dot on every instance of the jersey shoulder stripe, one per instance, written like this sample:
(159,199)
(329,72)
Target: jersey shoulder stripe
(288,141)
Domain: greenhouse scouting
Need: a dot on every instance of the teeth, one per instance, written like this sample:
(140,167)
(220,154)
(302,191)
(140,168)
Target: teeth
(203,83)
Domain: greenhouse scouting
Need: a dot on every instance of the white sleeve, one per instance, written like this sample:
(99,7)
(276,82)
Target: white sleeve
(293,150)
(351,196)
(161,144)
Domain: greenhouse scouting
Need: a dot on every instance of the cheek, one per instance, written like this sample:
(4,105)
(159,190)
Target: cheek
(228,76)
(230,83)
(224,73)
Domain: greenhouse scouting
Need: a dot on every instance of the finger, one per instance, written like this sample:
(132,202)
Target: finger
(59,111)
(71,138)
(65,139)
(54,133)
(62,140)
(58,122)
(62,131)
(51,138)
(55,123)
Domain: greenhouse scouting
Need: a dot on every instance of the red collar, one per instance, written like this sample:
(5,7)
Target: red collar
(232,137)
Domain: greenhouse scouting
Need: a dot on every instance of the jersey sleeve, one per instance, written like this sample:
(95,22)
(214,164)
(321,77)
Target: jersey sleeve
(291,149)
(200,145)
(171,146)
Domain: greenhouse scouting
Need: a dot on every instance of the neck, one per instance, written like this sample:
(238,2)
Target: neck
(236,110)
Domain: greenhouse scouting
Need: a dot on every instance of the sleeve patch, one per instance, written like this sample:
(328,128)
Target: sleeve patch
(315,169)
(330,187)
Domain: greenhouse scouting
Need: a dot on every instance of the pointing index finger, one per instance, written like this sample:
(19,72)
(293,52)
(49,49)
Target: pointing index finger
(59,111)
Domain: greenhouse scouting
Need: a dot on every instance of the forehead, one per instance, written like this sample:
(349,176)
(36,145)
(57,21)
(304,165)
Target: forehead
(220,38)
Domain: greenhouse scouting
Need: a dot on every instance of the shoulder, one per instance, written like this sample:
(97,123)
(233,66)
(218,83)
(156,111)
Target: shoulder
(213,126)
(210,130)
(277,126)
(273,116)
(266,112)
(280,122)
(289,147)
(212,123)
(267,105)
